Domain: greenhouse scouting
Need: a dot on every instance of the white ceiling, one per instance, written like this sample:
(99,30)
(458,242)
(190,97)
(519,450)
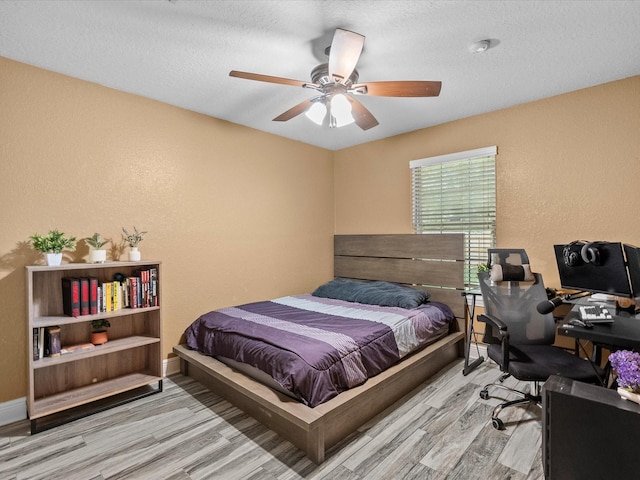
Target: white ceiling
(181,51)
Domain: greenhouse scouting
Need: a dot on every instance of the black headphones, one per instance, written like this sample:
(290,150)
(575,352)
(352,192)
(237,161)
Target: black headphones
(579,252)
(572,253)
(590,253)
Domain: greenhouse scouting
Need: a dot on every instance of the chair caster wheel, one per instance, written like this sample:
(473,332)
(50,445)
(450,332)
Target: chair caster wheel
(497,423)
(484,394)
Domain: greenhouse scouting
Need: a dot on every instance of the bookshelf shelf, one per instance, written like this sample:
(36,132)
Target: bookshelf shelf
(130,360)
(109,347)
(90,393)
(50,320)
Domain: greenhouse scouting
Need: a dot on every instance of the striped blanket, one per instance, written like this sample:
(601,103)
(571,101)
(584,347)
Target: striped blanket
(318,347)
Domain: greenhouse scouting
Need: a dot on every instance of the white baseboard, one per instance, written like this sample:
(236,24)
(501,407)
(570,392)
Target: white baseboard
(13,411)
(171,366)
(16,410)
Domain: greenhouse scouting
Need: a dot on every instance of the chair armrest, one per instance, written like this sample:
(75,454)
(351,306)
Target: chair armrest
(494,322)
(503,333)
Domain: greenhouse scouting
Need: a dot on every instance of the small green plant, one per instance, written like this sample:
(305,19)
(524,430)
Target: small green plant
(100,325)
(54,242)
(483,267)
(96,241)
(133,239)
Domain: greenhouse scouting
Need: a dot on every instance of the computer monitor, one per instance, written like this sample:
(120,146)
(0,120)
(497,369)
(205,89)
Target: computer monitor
(608,275)
(633,265)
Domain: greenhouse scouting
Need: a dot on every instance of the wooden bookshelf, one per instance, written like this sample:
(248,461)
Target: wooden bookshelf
(131,359)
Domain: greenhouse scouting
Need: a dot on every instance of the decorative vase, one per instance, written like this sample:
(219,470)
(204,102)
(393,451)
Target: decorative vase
(134,254)
(98,256)
(627,395)
(54,259)
(99,338)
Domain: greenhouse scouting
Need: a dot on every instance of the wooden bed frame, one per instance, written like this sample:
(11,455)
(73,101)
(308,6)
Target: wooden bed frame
(432,261)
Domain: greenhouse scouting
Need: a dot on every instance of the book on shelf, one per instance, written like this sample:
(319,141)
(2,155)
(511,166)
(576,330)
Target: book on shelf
(108,296)
(146,290)
(144,274)
(133,292)
(80,296)
(52,341)
(46,342)
(36,343)
(84,296)
(89,296)
(115,291)
(153,279)
(71,296)
(142,289)
(93,295)
(126,293)
(40,343)
(80,347)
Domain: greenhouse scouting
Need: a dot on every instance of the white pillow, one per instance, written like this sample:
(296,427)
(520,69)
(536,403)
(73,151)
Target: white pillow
(511,273)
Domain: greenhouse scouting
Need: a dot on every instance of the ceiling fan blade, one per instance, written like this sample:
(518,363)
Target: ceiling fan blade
(363,117)
(294,111)
(344,53)
(267,78)
(407,88)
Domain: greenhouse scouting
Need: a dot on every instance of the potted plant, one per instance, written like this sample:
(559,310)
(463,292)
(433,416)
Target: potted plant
(626,365)
(96,242)
(483,267)
(133,239)
(99,334)
(52,245)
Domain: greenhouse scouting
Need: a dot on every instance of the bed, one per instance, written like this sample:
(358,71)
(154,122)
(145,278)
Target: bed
(315,422)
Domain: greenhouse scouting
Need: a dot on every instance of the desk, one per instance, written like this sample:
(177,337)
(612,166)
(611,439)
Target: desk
(623,333)
(471,310)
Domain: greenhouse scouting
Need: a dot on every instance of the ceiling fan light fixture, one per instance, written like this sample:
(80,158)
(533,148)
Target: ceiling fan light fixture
(341,111)
(336,84)
(480,46)
(317,112)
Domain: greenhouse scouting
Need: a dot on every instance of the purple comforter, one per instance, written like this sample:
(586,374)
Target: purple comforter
(317,347)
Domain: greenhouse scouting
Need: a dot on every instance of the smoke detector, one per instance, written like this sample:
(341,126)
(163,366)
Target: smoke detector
(480,46)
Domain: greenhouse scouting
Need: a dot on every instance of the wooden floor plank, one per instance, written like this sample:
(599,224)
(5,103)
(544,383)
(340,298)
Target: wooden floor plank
(439,431)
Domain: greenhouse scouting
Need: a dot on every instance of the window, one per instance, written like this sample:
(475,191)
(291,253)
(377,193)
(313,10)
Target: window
(456,193)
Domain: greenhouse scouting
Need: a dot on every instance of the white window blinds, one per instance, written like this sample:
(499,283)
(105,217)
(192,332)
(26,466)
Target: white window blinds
(456,193)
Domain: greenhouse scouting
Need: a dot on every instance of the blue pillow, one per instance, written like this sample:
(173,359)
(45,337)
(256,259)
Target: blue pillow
(372,293)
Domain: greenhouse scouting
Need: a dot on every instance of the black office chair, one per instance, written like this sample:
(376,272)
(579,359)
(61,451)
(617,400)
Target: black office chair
(519,338)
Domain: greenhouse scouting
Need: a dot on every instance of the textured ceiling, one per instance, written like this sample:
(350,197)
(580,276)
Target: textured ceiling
(181,51)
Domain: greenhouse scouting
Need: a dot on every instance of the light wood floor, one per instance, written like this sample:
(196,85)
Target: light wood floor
(441,431)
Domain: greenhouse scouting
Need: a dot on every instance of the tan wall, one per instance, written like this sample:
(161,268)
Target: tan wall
(234,214)
(568,167)
(238,215)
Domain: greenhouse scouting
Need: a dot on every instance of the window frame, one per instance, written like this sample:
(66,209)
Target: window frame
(476,242)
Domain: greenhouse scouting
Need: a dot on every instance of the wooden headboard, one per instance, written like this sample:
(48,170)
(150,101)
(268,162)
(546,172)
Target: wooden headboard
(434,262)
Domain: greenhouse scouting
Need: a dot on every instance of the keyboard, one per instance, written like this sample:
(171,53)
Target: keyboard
(595,314)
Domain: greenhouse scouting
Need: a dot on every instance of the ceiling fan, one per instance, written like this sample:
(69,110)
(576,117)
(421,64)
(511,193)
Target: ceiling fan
(336,83)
